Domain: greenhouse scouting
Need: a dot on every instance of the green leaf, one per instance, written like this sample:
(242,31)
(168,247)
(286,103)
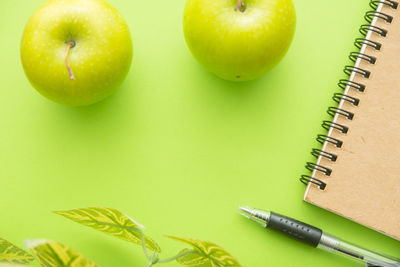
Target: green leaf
(193,259)
(53,254)
(206,254)
(111,222)
(12,254)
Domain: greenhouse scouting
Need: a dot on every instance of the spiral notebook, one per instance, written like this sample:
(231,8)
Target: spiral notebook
(357,171)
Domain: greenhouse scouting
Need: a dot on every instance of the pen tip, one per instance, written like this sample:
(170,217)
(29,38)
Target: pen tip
(245,211)
(259,216)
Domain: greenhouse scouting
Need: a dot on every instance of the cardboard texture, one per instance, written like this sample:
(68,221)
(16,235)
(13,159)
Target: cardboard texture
(365,182)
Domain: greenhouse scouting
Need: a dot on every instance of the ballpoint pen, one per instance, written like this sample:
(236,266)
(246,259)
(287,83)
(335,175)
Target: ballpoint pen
(317,238)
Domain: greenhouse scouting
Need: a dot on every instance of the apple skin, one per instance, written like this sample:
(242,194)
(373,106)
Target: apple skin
(100,59)
(236,45)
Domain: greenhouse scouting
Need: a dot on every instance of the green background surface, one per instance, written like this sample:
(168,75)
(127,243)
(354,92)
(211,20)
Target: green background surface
(177,148)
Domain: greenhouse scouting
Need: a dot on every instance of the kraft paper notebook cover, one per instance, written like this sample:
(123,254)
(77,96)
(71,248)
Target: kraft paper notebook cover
(357,172)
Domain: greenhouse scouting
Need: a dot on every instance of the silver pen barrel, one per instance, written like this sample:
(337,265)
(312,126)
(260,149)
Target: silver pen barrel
(334,244)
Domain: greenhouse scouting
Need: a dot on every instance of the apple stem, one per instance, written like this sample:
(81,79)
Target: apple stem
(240,6)
(70,45)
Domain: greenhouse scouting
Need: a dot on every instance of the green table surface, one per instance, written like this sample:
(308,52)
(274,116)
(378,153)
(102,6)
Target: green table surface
(177,148)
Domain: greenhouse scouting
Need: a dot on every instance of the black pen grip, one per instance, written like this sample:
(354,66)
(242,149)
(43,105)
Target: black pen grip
(296,229)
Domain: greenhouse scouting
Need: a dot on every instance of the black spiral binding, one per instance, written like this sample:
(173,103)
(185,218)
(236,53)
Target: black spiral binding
(343,84)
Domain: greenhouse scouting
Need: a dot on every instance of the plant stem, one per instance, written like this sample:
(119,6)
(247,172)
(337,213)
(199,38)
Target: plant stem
(240,6)
(153,259)
(180,254)
(70,45)
(144,246)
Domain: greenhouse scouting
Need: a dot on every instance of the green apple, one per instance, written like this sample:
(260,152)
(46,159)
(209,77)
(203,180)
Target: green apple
(239,40)
(76,52)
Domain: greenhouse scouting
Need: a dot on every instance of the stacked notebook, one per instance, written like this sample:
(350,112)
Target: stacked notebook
(357,171)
